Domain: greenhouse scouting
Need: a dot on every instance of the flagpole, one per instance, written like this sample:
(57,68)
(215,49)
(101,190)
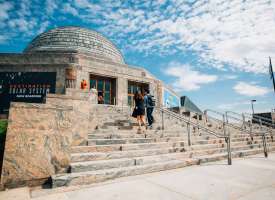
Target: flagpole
(271,73)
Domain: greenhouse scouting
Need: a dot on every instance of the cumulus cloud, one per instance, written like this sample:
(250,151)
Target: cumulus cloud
(229,77)
(250,89)
(243,106)
(188,79)
(235,35)
(67,8)
(3,39)
(5,7)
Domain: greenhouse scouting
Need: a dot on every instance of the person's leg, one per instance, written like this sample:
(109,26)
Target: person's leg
(143,121)
(139,121)
(149,116)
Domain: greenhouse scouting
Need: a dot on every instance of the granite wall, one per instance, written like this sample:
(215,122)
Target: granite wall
(38,143)
(40,136)
(80,115)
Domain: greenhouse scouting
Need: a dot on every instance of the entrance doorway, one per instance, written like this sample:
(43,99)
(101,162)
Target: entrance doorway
(106,87)
(133,87)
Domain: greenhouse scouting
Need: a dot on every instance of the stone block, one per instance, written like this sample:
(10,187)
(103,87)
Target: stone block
(32,153)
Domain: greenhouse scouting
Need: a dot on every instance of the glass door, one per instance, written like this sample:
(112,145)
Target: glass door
(104,88)
(133,87)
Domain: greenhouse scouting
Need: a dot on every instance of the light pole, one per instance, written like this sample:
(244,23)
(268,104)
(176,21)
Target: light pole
(252,101)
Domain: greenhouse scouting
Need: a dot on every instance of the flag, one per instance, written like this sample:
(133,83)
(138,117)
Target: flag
(271,73)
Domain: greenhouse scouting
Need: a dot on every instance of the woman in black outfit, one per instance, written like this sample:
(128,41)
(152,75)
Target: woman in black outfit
(139,111)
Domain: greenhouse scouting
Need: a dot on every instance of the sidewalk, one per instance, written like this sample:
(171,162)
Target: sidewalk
(250,178)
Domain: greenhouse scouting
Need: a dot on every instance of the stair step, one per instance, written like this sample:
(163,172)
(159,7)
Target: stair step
(188,151)
(82,178)
(125,147)
(80,157)
(119,141)
(134,135)
(89,177)
(139,146)
(124,162)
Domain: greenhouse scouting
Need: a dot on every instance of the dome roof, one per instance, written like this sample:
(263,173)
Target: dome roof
(75,39)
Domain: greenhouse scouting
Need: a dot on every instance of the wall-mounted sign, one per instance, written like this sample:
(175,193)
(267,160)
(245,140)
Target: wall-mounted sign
(170,100)
(29,87)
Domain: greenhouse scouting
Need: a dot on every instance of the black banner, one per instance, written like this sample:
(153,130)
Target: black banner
(29,87)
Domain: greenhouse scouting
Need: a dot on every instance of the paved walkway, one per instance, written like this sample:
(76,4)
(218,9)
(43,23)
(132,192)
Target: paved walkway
(248,178)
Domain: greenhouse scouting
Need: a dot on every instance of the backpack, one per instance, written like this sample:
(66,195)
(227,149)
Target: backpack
(151,101)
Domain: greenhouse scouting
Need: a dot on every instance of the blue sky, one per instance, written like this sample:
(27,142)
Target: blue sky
(214,51)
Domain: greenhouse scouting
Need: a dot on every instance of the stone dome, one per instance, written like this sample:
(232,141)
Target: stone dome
(75,39)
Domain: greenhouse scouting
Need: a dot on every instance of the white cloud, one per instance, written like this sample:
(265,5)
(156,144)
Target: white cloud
(238,33)
(186,78)
(51,6)
(250,89)
(228,77)
(3,39)
(5,7)
(241,106)
(67,8)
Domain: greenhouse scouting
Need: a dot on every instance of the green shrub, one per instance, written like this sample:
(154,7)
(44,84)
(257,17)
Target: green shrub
(3,130)
(3,127)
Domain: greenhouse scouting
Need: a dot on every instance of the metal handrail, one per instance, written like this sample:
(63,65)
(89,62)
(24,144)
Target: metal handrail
(264,120)
(189,123)
(243,128)
(257,116)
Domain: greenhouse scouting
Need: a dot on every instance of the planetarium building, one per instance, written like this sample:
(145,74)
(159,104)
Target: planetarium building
(63,57)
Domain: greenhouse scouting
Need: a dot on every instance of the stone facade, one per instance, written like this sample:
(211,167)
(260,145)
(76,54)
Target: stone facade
(38,143)
(40,136)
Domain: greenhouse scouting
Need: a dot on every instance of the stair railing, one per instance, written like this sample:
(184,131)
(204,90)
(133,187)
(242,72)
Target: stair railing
(225,135)
(265,121)
(250,120)
(243,128)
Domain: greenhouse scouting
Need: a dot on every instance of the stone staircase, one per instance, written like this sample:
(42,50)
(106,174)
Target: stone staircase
(114,149)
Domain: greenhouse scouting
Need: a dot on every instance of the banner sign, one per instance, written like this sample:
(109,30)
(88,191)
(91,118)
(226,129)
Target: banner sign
(29,87)
(170,100)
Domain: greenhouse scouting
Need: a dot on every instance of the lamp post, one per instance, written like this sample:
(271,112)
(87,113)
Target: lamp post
(252,101)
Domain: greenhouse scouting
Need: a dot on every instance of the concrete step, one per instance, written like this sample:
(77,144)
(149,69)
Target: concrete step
(140,146)
(80,157)
(92,156)
(133,140)
(122,162)
(125,147)
(89,177)
(134,135)
(120,141)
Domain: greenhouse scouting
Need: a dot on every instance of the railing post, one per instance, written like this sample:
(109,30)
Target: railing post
(243,121)
(189,131)
(264,140)
(228,139)
(229,157)
(198,123)
(162,120)
(205,115)
(251,129)
(223,124)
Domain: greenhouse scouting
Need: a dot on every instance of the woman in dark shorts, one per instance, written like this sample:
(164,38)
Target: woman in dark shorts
(139,111)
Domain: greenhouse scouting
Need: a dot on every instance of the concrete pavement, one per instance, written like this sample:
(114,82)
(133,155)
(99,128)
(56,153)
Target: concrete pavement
(250,178)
